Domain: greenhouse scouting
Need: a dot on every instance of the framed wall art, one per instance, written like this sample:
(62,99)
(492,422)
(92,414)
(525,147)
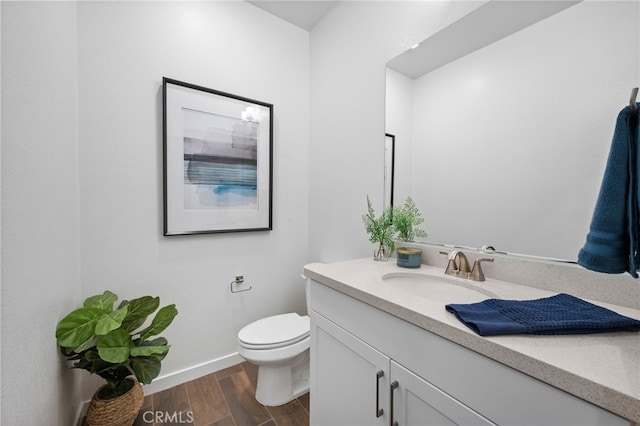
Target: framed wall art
(218,162)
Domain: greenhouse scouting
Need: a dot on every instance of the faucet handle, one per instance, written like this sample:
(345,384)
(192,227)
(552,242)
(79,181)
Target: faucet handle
(452,266)
(476,271)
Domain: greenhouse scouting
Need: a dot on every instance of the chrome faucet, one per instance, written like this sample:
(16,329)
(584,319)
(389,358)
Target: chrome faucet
(458,266)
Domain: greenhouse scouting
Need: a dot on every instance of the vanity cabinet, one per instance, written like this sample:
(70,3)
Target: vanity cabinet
(379,390)
(371,368)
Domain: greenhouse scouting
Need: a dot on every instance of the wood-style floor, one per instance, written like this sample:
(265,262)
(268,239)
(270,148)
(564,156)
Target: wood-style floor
(223,398)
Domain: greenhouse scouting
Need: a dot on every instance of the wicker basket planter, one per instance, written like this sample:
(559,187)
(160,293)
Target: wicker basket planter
(119,411)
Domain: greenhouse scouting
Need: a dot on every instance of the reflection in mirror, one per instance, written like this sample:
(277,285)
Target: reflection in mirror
(389,154)
(507,145)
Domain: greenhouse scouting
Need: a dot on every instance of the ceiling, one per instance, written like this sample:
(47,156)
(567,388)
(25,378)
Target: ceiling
(487,24)
(302,13)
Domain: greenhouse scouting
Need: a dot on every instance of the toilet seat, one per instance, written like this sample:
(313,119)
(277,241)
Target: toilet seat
(275,332)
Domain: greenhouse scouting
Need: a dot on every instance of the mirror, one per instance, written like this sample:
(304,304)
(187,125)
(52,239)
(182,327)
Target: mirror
(504,140)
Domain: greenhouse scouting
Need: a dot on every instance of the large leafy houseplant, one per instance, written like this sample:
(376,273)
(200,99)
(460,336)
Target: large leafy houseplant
(380,230)
(112,343)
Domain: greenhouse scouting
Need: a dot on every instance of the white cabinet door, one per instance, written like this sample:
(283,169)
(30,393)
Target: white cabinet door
(346,386)
(416,402)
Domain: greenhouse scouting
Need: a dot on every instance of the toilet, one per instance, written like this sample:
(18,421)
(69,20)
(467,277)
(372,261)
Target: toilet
(279,346)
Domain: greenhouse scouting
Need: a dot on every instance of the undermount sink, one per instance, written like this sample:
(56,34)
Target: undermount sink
(441,289)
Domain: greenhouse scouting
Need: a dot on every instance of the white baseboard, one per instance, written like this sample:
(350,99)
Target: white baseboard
(173,379)
(178,377)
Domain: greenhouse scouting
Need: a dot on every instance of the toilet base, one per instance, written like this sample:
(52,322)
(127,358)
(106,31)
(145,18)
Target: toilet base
(278,385)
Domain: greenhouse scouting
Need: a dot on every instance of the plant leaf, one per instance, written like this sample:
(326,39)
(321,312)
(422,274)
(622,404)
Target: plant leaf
(93,340)
(139,310)
(77,327)
(149,350)
(110,321)
(101,301)
(93,363)
(146,368)
(160,322)
(158,341)
(115,346)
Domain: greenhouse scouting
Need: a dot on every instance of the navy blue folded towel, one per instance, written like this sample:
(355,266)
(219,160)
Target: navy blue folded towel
(612,242)
(559,314)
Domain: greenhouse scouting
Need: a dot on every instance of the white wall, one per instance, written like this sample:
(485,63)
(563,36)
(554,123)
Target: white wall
(124,50)
(349,50)
(40,233)
(519,132)
(82,195)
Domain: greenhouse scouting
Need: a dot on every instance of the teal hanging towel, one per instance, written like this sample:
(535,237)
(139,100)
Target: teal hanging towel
(612,242)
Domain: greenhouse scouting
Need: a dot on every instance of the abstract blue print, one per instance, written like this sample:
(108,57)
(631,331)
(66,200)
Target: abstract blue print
(220,161)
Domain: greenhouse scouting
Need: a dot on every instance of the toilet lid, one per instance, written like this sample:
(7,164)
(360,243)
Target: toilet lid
(279,329)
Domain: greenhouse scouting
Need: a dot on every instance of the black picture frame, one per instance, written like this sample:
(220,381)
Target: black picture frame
(217,161)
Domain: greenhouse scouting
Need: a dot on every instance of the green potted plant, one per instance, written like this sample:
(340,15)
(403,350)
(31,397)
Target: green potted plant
(112,344)
(406,220)
(380,230)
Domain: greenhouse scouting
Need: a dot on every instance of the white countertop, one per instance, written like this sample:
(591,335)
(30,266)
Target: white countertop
(603,369)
